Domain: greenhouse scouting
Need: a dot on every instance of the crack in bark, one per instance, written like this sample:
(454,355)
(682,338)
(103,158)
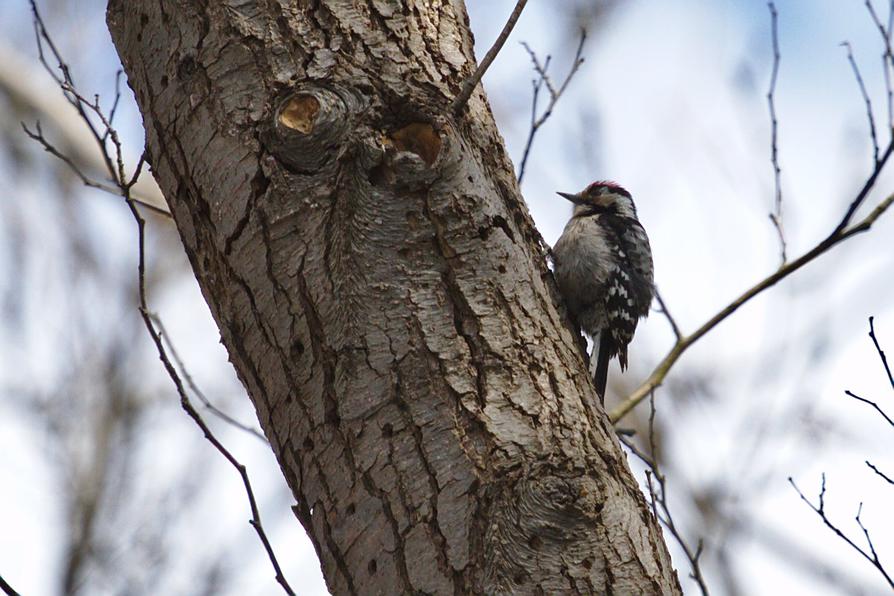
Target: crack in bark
(382,496)
(328,358)
(462,311)
(431,475)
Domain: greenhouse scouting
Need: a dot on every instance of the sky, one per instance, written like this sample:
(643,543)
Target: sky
(670,102)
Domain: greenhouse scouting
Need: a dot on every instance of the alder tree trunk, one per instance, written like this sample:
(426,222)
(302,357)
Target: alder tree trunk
(384,296)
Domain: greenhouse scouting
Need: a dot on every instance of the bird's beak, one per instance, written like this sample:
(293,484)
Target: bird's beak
(573,198)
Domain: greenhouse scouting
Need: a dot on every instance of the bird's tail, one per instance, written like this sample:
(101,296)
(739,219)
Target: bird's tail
(602,351)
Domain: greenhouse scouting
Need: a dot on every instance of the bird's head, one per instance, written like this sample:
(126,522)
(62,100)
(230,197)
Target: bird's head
(602,196)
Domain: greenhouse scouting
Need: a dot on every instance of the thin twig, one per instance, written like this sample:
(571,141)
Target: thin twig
(460,102)
(66,84)
(871,556)
(887,56)
(7,589)
(117,171)
(887,478)
(658,497)
(115,103)
(776,215)
(190,382)
(37,135)
(881,353)
(187,406)
(865,532)
(554,94)
(861,196)
(670,319)
(874,405)
(866,100)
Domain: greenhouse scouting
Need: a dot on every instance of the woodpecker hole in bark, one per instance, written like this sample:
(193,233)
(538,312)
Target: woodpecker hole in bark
(419,138)
(300,113)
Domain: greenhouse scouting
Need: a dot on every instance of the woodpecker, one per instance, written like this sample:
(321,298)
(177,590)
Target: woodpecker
(603,266)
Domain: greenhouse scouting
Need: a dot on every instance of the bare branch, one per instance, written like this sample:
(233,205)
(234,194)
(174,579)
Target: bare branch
(881,353)
(866,100)
(117,96)
(776,215)
(66,83)
(184,372)
(888,479)
(874,405)
(187,406)
(887,56)
(460,102)
(51,111)
(658,496)
(554,94)
(7,589)
(870,556)
(670,319)
(37,135)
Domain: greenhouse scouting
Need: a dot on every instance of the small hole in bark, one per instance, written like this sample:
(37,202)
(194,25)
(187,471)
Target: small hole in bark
(259,183)
(297,347)
(186,67)
(470,179)
(144,19)
(378,176)
(308,444)
(519,578)
(502,268)
(499,221)
(164,81)
(535,542)
(350,510)
(587,563)
(387,430)
(483,232)
(419,138)
(372,566)
(300,113)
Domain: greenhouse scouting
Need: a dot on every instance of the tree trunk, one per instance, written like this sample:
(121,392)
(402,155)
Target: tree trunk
(384,297)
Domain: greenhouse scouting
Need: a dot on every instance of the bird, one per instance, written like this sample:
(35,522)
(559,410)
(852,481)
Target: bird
(603,268)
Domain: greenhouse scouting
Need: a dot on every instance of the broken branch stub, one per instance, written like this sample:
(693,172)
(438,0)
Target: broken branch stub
(309,125)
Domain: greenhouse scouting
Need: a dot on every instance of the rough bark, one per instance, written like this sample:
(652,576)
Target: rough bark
(384,296)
